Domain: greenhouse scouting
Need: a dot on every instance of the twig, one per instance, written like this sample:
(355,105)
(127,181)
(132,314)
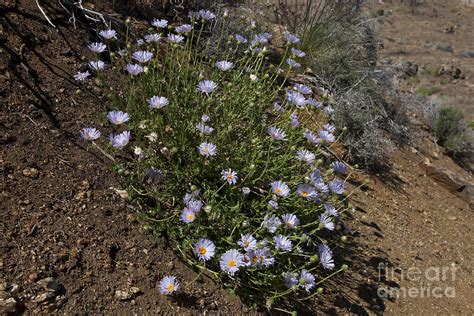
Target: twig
(44,14)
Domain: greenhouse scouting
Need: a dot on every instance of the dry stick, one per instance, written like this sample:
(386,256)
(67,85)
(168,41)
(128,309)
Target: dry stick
(44,14)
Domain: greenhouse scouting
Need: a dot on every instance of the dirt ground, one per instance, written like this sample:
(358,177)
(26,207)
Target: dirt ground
(437,36)
(69,242)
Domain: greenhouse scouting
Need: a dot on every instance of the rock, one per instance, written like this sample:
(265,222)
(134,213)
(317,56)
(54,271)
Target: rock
(124,295)
(468,193)
(8,306)
(409,68)
(31,173)
(445,47)
(452,181)
(467,53)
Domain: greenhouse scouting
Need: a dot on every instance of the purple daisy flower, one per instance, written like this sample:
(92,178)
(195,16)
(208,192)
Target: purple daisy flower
(339,167)
(278,107)
(297,52)
(326,221)
(205,118)
(290,220)
(276,133)
(134,69)
(309,135)
(294,120)
(108,34)
(118,117)
(292,63)
(152,38)
(175,39)
(231,261)
(204,249)
(169,285)
(315,176)
(185,28)
(230,176)
(271,223)
(207,149)
(328,110)
(331,210)
(327,136)
(188,216)
(97,65)
(161,24)
(261,38)
(291,38)
(280,188)
(82,76)
(325,256)
(320,185)
(207,86)
(301,88)
(248,242)
(206,15)
(306,191)
(90,133)
(329,127)
(97,47)
(156,102)
(291,279)
(120,140)
(305,155)
(201,127)
(240,39)
(194,205)
(337,186)
(142,56)
(296,98)
(306,280)
(282,243)
(313,102)
(261,257)
(273,204)
(224,65)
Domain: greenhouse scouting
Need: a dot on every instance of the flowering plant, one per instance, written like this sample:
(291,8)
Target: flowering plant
(231,153)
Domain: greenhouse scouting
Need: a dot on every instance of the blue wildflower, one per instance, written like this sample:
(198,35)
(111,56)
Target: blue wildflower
(188,216)
(118,117)
(176,39)
(271,223)
(325,256)
(339,167)
(248,242)
(291,38)
(156,102)
(276,133)
(224,65)
(231,261)
(207,149)
(296,98)
(306,280)
(134,69)
(290,220)
(273,204)
(326,136)
(204,249)
(142,56)
(292,63)
(121,140)
(294,120)
(90,133)
(96,65)
(305,155)
(331,209)
(152,38)
(337,186)
(169,285)
(280,188)
(291,279)
(306,191)
(82,76)
(297,52)
(301,88)
(204,128)
(97,47)
(282,243)
(240,39)
(159,23)
(108,34)
(326,221)
(184,28)
(207,86)
(230,176)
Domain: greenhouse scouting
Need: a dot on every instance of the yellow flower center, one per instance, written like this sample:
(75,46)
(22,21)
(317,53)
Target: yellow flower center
(246,244)
(229,176)
(202,250)
(305,194)
(278,190)
(190,217)
(231,263)
(170,287)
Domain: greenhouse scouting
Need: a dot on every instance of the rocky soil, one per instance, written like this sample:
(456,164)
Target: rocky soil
(71,244)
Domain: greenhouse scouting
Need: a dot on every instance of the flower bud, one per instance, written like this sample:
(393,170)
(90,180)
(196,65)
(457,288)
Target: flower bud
(207,209)
(344,267)
(174,150)
(269,302)
(129,46)
(78,91)
(128,21)
(112,55)
(319,290)
(194,187)
(343,238)
(252,166)
(314,258)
